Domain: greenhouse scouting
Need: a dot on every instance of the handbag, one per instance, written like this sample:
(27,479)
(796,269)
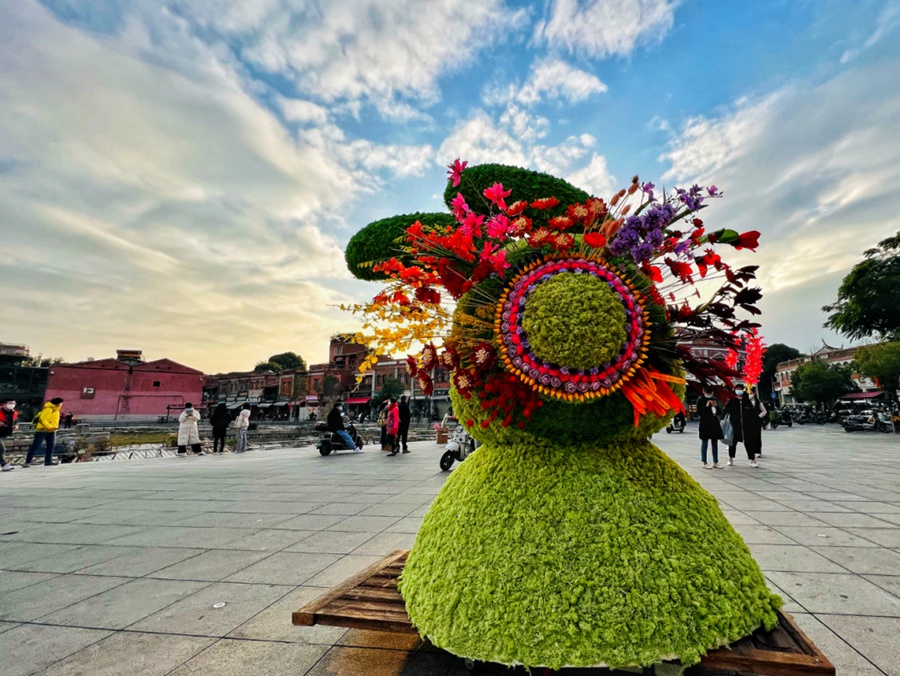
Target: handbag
(727,431)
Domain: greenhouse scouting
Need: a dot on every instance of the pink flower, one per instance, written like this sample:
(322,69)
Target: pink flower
(460,208)
(471,225)
(497,195)
(456,170)
(498,226)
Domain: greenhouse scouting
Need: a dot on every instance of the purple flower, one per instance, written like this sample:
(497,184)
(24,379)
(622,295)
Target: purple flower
(713,191)
(647,189)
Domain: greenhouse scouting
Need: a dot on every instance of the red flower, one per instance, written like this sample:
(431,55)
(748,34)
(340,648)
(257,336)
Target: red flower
(653,272)
(456,170)
(544,203)
(484,356)
(463,381)
(497,227)
(497,195)
(449,358)
(748,240)
(429,357)
(560,222)
(412,366)
(520,226)
(595,240)
(516,208)
(580,212)
(540,237)
(425,383)
(426,294)
(681,270)
(563,241)
(597,207)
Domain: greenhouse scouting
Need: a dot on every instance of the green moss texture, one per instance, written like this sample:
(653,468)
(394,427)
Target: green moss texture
(377,242)
(561,554)
(524,183)
(574,320)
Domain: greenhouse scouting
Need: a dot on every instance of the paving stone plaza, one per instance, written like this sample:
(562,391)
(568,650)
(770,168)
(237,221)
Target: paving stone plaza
(194,565)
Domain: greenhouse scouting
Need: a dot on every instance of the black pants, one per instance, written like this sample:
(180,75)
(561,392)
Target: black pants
(733,449)
(2,461)
(194,447)
(219,441)
(403,437)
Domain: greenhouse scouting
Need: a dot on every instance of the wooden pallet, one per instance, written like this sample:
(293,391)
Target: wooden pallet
(370,600)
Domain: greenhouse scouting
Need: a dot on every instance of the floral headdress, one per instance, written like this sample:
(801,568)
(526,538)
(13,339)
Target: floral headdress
(537,301)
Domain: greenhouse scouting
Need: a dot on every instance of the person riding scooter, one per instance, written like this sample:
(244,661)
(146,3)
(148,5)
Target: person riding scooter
(336,425)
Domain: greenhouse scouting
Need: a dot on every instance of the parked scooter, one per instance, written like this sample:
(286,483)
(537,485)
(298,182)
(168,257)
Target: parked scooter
(780,417)
(676,424)
(459,447)
(869,421)
(330,441)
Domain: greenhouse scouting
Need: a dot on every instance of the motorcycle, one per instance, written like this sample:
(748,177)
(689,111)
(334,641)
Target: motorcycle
(676,424)
(869,421)
(459,447)
(330,441)
(780,417)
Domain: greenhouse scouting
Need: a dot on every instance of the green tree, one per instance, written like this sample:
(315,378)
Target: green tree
(775,354)
(288,360)
(328,389)
(867,301)
(881,362)
(821,383)
(280,362)
(392,387)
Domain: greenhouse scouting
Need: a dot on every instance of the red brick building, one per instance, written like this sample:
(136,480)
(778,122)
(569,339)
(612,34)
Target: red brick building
(124,388)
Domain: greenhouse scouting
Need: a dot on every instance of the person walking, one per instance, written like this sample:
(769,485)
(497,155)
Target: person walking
(746,413)
(405,418)
(242,422)
(46,424)
(710,429)
(220,419)
(335,424)
(391,426)
(188,432)
(8,418)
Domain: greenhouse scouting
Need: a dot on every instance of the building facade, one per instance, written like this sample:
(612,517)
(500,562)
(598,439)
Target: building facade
(833,356)
(25,383)
(124,388)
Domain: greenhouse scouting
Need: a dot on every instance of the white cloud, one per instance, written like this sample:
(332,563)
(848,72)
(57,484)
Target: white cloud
(361,50)
(144,205)
(603,28)
(888,20)
(815,169)
(555,79)
(519,139)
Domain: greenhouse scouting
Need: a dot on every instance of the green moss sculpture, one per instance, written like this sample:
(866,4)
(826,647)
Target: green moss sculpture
(568,539)
(524,183)
(383,239)
(559,554)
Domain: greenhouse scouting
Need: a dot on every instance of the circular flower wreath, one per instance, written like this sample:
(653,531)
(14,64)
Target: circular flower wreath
(556,380)
(471,286)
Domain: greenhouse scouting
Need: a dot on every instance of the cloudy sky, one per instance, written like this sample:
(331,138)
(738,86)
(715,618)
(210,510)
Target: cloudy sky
(181,176)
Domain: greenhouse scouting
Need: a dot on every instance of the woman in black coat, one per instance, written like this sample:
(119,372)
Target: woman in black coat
(710,429)
(746,413)
(220,419)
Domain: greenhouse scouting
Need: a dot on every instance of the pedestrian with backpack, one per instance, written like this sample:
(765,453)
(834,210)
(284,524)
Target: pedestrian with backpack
(8,418)
(46,422)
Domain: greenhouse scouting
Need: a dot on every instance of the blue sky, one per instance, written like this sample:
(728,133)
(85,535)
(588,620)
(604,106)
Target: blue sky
(182,176)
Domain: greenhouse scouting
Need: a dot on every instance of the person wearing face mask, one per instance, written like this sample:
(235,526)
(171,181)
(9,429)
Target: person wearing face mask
(8,418)
(746,413)
(710,429)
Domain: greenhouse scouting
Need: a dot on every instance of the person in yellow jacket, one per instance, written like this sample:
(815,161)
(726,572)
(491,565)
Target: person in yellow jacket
(45,430)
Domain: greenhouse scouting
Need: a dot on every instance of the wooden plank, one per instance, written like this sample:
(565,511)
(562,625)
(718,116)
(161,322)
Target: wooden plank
(370,600)
(306,616)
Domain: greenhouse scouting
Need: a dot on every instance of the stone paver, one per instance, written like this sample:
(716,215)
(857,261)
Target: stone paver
(109,568)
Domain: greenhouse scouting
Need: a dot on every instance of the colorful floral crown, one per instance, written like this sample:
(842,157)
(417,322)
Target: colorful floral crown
(538,302)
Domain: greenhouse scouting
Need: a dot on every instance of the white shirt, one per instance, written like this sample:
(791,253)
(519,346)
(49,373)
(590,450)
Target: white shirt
(243,419)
